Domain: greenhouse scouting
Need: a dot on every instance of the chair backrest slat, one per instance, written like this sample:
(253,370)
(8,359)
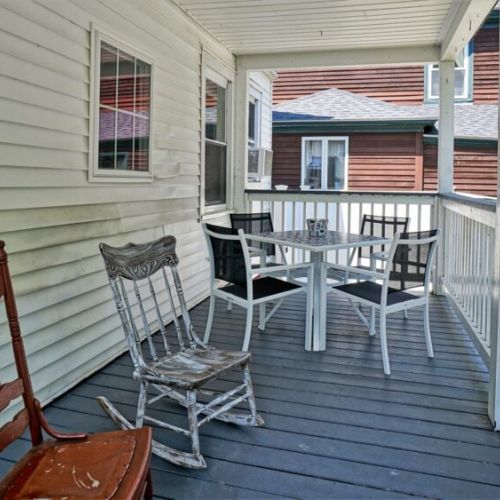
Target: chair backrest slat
(21,386)
(14,429)
(143,309)
(10,391)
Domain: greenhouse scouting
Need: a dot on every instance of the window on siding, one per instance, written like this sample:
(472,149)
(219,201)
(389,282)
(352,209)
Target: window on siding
(463,77)
(123,93)
(215,144)
(324,162)
(253,123)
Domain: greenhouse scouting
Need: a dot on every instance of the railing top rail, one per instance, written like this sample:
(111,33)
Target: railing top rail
(472,201)
(315,192)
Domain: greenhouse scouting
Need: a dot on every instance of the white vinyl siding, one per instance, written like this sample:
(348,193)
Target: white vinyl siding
(51,217)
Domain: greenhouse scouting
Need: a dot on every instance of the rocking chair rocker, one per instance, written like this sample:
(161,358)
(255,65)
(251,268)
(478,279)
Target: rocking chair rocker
(187,363)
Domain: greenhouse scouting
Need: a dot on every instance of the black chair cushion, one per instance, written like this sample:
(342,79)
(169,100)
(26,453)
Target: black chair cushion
(368,290)
(262,287)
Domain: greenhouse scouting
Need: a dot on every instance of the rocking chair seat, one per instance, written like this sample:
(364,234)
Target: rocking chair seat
(193,367)
(105,465)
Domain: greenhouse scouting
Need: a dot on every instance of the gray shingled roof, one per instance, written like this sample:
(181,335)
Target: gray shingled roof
(471,120)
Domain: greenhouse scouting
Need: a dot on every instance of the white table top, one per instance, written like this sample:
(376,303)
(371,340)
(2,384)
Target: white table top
(333,240)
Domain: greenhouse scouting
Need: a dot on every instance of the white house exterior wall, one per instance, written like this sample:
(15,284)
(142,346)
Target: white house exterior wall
(51,217)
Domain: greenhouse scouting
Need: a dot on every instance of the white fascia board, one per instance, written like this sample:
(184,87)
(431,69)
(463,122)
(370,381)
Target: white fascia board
(424,54)
(461,24)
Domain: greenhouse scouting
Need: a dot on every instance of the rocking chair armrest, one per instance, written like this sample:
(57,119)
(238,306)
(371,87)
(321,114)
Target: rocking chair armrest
(276,269)
(355,270)
(52,432)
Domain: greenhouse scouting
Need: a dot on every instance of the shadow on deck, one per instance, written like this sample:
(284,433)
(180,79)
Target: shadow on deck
(335,425)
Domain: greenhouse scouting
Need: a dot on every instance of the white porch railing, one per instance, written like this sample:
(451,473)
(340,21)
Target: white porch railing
(467,244)
(468,264)
(344,210)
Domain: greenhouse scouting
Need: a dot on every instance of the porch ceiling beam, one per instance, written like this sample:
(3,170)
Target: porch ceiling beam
(462,22)
(423,54)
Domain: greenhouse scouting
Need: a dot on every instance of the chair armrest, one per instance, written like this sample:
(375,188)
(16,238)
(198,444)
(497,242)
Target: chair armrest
(354,270)
(257,252)
(379,256)
(275,269)
(52,432)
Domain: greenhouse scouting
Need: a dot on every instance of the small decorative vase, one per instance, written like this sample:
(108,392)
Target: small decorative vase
(317,227)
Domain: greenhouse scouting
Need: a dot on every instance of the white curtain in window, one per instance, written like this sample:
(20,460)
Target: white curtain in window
(336,165)
(313,162)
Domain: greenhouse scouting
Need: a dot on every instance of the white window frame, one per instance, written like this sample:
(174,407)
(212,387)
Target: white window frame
(324,160)
(468,78)
(255,97)
(214,69)
(105,175)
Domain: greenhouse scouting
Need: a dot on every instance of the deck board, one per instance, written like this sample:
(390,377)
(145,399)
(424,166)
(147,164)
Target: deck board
(335,425)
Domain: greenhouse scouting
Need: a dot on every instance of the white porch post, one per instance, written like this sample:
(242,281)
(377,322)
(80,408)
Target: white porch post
(494,387)
(446,126)
(445,154)
(240,142)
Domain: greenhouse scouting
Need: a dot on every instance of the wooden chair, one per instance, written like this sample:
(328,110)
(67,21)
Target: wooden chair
(408,266)
(106,465)
(146,287)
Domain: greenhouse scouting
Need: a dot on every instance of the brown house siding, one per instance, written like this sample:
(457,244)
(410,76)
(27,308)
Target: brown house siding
(395,84)
(475,169)
(398,84)
(376,161)
(486,66)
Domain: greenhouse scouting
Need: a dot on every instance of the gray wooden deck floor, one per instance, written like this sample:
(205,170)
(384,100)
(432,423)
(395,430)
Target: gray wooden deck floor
(336,427)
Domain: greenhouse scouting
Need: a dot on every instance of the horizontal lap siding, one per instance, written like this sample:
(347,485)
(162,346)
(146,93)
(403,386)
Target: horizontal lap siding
(486,66)
(475,169)
(376,161)
(51,217)
(399,84)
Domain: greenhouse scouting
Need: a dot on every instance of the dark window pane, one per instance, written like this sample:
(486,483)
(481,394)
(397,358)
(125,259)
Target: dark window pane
(215,112)
(124,141)
(251,121)
(142,86)
(107,82)
(106,139)
(126,66)
(141,136)
(215,174)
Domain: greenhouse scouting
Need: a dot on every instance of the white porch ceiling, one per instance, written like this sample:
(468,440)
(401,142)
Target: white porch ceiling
(277,26)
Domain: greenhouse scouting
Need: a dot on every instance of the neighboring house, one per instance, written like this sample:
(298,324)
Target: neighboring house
(376,129)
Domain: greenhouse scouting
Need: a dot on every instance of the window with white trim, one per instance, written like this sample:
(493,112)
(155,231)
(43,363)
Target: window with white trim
(463,77)
(253,122)
(216,156)
(324,162)
(122,113)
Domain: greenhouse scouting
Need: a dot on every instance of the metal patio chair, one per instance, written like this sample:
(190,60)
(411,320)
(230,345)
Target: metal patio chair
(365,258)
(408,265)
(146,288)
(230,262)
(104,465)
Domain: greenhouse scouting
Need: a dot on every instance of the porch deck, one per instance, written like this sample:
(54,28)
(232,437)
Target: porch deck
(335,426)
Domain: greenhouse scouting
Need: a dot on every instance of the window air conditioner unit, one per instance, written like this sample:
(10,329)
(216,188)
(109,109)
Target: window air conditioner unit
(260,162)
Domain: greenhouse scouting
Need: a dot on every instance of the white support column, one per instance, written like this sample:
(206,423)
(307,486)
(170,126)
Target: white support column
(446,126)
(240,155)
(445,155)
(494,387)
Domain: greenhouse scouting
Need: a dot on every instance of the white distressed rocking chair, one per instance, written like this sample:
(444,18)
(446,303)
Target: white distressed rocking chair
(187,363)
